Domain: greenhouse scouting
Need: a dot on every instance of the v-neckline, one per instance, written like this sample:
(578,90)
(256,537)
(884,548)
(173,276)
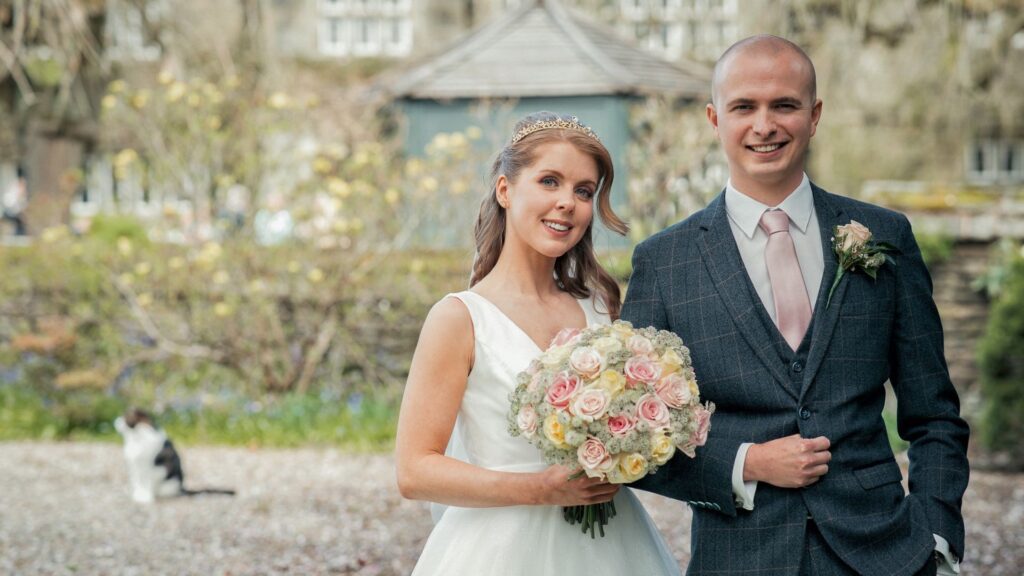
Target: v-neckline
(586,318)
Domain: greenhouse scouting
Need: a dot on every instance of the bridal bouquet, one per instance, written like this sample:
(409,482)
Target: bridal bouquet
(615,402)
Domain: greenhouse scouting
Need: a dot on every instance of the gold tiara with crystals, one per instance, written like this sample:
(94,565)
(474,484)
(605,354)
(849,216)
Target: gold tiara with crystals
(572,124)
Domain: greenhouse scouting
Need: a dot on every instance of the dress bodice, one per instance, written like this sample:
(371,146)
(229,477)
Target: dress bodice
(501,350)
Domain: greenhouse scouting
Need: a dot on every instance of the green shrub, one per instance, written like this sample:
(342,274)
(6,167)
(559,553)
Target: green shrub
(935,248)
(1001,359)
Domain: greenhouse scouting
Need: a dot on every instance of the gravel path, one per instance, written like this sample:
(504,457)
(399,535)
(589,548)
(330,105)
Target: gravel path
(64,509)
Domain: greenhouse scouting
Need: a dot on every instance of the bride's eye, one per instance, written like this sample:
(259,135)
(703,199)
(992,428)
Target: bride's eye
(549,181)
(585,193)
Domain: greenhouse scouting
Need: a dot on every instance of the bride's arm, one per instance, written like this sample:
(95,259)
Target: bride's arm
(433,394)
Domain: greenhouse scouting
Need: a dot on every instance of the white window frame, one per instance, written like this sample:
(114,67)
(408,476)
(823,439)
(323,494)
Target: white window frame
(994,152)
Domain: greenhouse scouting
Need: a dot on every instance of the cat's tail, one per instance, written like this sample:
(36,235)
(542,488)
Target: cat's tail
(201,491)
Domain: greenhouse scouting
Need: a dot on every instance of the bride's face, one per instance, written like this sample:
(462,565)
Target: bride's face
(551,203)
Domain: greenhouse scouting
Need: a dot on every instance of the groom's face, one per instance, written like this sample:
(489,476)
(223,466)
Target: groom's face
(765,114)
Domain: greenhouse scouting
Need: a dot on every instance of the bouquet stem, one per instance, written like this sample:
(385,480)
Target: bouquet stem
(591,517)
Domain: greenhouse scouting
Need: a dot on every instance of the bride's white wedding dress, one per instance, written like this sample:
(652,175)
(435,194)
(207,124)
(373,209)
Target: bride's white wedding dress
(527,540)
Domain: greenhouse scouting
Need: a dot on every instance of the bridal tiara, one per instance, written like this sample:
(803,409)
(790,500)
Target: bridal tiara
(571,124)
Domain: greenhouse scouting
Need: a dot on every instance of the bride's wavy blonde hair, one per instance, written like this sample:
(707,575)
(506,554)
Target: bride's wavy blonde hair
(576,271)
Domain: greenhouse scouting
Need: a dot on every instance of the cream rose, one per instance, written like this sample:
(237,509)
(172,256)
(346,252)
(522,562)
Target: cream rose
(607,345)
(854,235)
(671,362)
(640,369)
(554,357)
(612,381)
(630,468)
(640,345)
(555,431)
(653,411)
(527,421)
(562,389)
(661,449)
(587,361)
(591,403)
(593,456)
(674,390)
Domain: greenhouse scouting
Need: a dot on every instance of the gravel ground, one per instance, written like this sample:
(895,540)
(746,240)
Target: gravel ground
(64,509)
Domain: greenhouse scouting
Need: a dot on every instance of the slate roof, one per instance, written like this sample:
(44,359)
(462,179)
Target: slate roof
(546,49)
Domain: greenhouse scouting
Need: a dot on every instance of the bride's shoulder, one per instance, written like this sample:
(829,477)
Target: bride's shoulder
(450,318)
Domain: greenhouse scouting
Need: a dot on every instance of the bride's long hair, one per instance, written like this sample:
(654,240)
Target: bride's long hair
(576,271)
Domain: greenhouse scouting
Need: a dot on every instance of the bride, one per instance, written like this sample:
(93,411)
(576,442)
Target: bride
(534,274)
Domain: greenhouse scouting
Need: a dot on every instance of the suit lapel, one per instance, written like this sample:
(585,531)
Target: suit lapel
(825,317)
(723,262)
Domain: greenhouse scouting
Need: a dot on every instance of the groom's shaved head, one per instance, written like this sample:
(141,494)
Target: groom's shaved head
(763,44)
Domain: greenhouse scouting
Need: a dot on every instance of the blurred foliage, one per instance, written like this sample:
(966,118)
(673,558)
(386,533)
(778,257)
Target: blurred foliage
(88,327)
(936,248)
(1001,358)
(674,164)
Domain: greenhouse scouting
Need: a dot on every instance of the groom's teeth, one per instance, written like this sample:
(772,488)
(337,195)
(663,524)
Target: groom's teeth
(554,226)
(767,148)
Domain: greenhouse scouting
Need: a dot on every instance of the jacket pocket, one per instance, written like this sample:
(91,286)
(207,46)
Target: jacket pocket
(878,474)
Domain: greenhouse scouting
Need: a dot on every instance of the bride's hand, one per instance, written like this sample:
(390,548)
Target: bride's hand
(558,490)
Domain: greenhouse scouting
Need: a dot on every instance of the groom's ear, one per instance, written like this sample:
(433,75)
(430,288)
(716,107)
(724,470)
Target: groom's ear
(712,116)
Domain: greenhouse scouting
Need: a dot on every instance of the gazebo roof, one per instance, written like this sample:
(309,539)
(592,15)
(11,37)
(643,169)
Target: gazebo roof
(545,49)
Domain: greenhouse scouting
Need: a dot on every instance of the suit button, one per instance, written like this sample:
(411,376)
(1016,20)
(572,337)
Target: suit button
(805,414)
(797,367)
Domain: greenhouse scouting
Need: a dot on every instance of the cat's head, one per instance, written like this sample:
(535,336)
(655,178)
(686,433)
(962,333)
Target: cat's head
(132,419)
(136,416)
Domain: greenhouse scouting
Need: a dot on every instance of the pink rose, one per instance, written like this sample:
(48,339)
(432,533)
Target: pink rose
(620,425)
(639,345)
(587,361)
(591,404)
(593,456)
(702,416)
(565,336)
(641,369)
(562,389)
(527,421)
(653,411)
(674,390)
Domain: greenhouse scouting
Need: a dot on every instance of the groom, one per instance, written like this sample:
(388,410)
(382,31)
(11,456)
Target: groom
(797,476)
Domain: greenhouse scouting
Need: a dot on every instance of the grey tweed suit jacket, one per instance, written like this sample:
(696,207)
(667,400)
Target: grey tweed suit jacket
(690,279)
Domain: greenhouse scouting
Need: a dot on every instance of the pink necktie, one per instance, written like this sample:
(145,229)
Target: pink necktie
(792,307)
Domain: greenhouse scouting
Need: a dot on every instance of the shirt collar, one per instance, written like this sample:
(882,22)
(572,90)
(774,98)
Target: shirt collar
(746,212)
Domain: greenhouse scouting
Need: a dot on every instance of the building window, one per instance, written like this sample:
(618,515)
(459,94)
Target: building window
(700,29)
(995,160)
(365,27)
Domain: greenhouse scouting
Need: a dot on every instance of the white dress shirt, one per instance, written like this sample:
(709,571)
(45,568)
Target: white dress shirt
(744,216)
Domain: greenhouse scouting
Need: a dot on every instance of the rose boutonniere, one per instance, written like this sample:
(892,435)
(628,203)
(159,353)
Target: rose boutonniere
(856,251)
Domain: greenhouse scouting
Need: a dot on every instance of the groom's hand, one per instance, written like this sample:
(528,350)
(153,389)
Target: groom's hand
(789,462)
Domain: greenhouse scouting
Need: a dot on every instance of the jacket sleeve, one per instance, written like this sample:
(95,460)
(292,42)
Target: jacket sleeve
(928,408)
(705,481)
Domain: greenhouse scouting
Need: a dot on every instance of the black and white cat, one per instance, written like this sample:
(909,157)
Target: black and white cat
(154,468)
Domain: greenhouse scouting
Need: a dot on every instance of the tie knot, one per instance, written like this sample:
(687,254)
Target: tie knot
(773,221)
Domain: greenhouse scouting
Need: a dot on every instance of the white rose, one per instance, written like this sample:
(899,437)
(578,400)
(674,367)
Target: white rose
(587,361)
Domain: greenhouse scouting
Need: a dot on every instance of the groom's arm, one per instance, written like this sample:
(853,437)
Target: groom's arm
(928,408)
(707,480)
